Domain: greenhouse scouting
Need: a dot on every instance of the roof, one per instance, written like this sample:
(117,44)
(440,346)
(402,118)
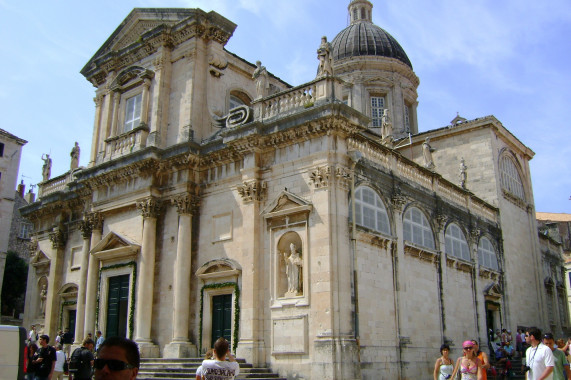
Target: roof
(11,136)
(552,217)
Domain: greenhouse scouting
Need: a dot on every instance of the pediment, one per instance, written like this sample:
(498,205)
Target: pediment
(493,290)
(286,203)
(39,259)
(219,268)
(114,246)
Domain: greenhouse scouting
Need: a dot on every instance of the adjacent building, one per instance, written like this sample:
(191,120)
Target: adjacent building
(312,225)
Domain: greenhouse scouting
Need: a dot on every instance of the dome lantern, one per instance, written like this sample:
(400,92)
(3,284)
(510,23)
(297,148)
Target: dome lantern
(360,10)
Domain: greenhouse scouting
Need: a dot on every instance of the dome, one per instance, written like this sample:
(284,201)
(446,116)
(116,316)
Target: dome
(363,38)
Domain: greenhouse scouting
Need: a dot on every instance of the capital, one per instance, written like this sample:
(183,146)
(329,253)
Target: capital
(85,228)
(185,204)
(58,237)
(149,207)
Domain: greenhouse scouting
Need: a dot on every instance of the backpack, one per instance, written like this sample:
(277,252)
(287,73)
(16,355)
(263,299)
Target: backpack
(78,365)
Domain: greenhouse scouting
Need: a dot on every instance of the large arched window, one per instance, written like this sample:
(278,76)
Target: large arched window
(456,244)
(487,254)
(238,98)
(510,178)
(417,229)
(370,212)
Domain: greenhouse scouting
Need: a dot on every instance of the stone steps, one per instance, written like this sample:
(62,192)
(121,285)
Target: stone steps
(176,369)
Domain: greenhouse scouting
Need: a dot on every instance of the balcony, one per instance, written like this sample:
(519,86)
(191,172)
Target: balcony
(129,142)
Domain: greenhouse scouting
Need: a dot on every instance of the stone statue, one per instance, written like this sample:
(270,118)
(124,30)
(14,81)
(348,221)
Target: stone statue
(427,154)
(386,125)
(43,296)
(463,174)
(262,80)
(47,168)
(294,263)
(74,157)
(325,59)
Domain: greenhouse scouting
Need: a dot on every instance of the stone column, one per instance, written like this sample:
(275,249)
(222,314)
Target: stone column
(145,101)
(96,130)
(180,347)
(58,238)
(441,269)
(96,222)
(473,246)
(150,210)
(85,228)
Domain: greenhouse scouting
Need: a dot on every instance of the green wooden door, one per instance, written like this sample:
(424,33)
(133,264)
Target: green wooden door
(71,321)
(117,306)
(221,317)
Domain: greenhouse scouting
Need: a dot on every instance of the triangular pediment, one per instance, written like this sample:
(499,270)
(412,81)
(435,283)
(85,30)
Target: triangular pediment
(40,258)
(285,203)
(115,246)
(493,290)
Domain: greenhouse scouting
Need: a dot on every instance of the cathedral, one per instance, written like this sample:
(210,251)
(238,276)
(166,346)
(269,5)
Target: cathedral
(312,225)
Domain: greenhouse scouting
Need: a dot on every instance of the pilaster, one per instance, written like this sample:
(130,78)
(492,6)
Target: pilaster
(86,229)
(58,237)
(95,220)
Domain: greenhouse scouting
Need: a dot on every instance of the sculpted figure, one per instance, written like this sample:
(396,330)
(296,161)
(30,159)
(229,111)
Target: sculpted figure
(427,154)
(294,263)
(463,174)
(47,168)
(386,125)
(325,60)
(261,77)
(43,296)
(74,157)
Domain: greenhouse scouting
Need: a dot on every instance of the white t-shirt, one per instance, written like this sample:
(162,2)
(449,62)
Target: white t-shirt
(219,370)
(60,359)
(538,359)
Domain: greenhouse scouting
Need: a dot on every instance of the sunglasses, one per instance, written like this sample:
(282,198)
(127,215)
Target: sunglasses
(468,348)
(112,364)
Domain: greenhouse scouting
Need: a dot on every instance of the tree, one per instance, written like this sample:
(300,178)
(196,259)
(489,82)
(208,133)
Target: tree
(14,284)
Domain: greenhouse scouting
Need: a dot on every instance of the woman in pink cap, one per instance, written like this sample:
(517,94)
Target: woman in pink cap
(469,365)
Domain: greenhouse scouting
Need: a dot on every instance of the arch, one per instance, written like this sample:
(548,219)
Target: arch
(487,256)
(68,289)
(510,175)
(219,266)
(417,229)
(237,98)
(130,73)
(370,210)
(456,244)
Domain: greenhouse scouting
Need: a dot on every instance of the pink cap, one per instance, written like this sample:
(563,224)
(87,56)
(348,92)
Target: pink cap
(467,343)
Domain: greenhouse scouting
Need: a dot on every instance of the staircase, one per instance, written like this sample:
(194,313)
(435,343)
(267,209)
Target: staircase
(176,369)
(516,370)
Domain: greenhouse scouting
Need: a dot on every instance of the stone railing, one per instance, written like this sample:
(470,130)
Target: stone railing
(126,143)
(293,99)
(54,185)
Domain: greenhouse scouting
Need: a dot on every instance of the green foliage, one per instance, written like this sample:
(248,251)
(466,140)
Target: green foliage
(14,284)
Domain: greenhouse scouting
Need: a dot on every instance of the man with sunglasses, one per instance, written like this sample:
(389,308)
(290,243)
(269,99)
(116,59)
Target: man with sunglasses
(118,359)
(538,358)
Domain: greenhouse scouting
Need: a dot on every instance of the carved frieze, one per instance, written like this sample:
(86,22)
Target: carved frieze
(85,228)
(149,207)
(320,177)
(254,190)
(186,203)
(95,220)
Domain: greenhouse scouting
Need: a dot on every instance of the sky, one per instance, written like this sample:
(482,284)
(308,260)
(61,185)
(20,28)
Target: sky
(505,58)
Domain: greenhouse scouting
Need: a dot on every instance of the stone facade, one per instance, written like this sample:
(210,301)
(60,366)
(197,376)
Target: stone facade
(10,153)
(279,216)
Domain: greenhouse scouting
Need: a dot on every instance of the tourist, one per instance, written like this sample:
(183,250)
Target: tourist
(468,365)
(44,359)
(561,365)
(538,357)
(33,335)
(208,356)
(67,340)
(519,343)
(30,366)
(81,361)
(99,341)
(444,366)
(118,359)
(483,357)
(60,360)
(219,368)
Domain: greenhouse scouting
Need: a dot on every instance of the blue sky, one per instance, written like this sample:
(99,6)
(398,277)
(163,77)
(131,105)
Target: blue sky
(504,58)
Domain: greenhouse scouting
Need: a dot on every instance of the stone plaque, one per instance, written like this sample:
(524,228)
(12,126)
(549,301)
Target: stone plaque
(290,335)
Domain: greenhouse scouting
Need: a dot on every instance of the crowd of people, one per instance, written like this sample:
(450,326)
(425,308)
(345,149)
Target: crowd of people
(543,357)
(111,358)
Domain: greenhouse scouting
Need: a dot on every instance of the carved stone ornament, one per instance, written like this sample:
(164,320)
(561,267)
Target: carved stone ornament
(185,204)
(149,208)
(343,176)
(474,235)
(252,190)
(441,220)
(85,228)
(58,237)
(320,177)
(95,220)
(398,200)
(32,247)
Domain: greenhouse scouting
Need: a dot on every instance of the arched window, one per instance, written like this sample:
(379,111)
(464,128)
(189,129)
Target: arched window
(510,179)
(487,254)
(417,229)
(370,212)
(238,98)
(456,244)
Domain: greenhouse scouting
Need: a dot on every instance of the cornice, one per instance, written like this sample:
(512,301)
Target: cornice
(138,168)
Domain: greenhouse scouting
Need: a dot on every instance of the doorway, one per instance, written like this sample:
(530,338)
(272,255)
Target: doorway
(71,321)
(117,306)
(221,318)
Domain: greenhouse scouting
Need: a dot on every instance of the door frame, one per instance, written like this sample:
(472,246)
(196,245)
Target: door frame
(104,293)
(208,294)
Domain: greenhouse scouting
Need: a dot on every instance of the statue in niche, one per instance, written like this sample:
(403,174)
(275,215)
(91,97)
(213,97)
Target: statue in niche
(293,263)
(43,296)
(47,168)
(427,154)
(262,83)
(74,157)
(324,55)
(463,174)
(386,126)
